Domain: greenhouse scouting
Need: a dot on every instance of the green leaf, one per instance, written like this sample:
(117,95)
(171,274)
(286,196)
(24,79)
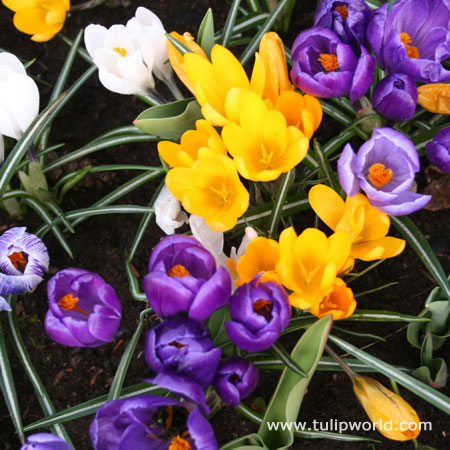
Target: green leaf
(324,166)
(367,315)
(286,400)
(216,326)
(229,23)
(205,37)
(170,120)
(283,189)
(182,48)
(434,374)
(245,443)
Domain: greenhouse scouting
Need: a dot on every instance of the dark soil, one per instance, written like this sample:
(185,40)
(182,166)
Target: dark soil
(75,375)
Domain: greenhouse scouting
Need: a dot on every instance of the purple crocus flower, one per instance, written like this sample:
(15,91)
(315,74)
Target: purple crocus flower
(151,422)
(395,97)
(235,379)
(183,356)
(84,309)
(438,150)
(23,261)
(326,67)
(384,169)
(348,19)
(183,279)
(413,38)
(45,441)
(260,311)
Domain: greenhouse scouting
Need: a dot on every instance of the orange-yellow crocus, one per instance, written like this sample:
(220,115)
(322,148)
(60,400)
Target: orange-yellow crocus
(366,225)
(176,58)
(211,189)
(185,153)
(213,80)
(40,18)
(393,417)
(309,263)
(262,144)
(340,302)
(435,97)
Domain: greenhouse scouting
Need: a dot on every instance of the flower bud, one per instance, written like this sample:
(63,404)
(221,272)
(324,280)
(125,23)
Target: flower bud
(395,97)
(435,97)
(438,150)
(393,417)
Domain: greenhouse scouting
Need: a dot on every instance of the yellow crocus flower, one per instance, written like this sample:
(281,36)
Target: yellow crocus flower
(366,225)
(211,189)
(176,58)
(435,97)
(40,18)
(393,417)
(262,145)
(309,263)
(185,153)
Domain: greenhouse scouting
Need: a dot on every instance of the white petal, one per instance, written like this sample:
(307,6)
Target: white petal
(168,213)
(133,69)
(118,36)
(94,38)
(117,84)
(8,126)
(12,62)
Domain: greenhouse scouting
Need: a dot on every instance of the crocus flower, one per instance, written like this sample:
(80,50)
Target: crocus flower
(347,18)
(309,263)
(23,261)
(326,67)
(435,97)
(339,303)
(384,168)
(366,226)
(259,312)
(393,417)
(45,441)
(183,356)
(395,97)
(235,379)
(185,153)
(210,188)
(168,213)
(412,37)
(262,145)
(151,422)
(19,97)
(41,18)
(438,150)
(84,309)
(183,279)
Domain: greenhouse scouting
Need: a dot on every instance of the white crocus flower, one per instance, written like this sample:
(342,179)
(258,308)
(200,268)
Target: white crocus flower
(168,213)
(19,97)
(120,63)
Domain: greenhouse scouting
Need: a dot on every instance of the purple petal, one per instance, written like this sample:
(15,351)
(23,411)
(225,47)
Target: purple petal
(103,323)
(58,332)
(201,431)
(45,441)
(345,165)
(4,305)
(405,203)
(243,338)
(375,32)
(363,76)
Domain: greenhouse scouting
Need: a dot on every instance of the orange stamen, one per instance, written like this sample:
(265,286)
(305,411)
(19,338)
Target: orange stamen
(179,444)
(18,260)
(342,10)
(379,175)
(121,51)
(263,308)
(177,344)
(329,62)
(178,271)
(69,303)
(411,51)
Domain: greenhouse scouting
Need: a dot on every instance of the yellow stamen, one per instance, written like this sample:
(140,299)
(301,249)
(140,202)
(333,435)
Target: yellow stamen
(121,51)
(69,303)
(379,175)
(329,62)
(266,159)
(411,51)
(222,193)
(178,271)
(342,10)
(18,260)
(179,444)
(263,308)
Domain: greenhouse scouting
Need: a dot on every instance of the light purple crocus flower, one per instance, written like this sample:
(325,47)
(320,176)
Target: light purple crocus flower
(23,261)
(151,422)
(412,38)
(183,279)
(438,150)
(84,309)
(260,311)
(395,97)
(326,67)
(235,379)
(348,19)
(45,441)
(183,356)
(384,168)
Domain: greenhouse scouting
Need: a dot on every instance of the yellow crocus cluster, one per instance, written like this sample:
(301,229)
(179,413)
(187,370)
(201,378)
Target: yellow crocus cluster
(266,127)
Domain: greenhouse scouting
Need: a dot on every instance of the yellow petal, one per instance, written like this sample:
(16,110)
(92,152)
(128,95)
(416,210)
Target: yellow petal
(327,204)
(313,105)
(258,77)
(338,249)
(311,248)
(386,247)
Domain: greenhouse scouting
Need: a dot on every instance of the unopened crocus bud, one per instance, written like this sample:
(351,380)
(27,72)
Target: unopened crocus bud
(168,213)
(435,97)
(393,417)
(235,379)
(395,97)
(35,182)
(45,441)
(438,150)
